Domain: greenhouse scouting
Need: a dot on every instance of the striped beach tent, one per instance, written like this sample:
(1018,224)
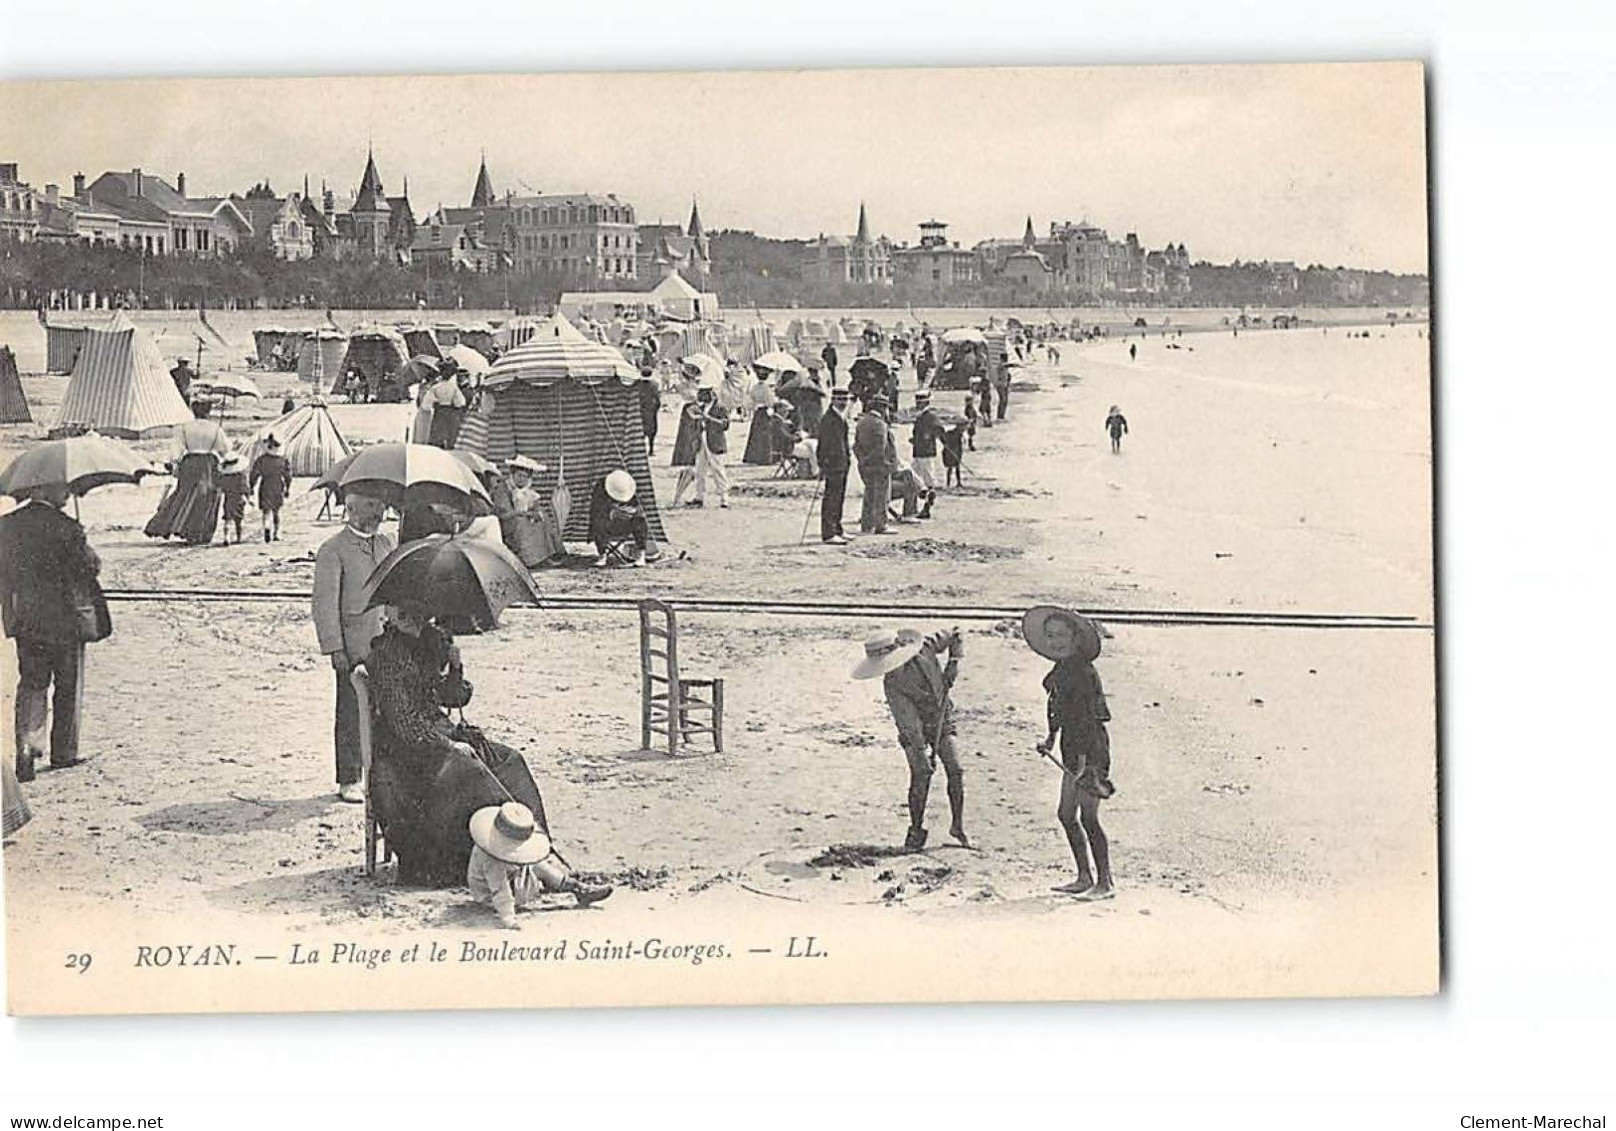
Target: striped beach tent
(570,404)
(62,345)
(310,440)
(13,404)
(320,358)
(120,386)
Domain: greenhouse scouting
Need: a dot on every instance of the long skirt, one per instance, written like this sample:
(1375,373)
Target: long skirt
(190,509)
(446,422)
(16,812)
(531,537)
(425,799)
(686,442)
(760,439)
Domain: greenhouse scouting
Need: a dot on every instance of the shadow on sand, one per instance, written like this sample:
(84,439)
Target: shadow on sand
(237,815)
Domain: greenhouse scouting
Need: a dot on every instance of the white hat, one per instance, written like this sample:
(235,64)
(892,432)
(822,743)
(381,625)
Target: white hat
(885,652)
(522,463)
(620,485)
(508,832)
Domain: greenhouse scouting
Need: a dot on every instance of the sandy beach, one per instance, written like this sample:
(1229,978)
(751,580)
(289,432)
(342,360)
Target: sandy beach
(1258,770)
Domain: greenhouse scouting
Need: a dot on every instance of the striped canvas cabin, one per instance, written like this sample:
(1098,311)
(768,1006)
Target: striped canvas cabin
(590,429)
(13,402)
(120,386)
(62,345)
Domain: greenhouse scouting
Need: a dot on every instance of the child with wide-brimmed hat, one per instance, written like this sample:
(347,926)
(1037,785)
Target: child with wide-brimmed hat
(1077,715)
(513,863)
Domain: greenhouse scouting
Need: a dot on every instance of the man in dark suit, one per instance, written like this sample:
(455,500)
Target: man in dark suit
(47,571)
(834,461)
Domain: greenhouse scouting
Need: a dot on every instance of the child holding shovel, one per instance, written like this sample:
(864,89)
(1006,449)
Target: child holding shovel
(1077,716)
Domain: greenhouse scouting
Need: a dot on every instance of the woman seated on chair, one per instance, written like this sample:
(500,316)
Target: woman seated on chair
(429,775)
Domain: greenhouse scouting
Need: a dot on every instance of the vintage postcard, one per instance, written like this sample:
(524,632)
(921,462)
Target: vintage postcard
(705,538)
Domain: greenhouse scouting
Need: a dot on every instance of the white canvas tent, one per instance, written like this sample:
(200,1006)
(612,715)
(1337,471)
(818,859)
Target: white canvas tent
(678,299)
(120,386)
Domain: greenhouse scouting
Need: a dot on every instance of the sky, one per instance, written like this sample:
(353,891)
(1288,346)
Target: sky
(1313,163)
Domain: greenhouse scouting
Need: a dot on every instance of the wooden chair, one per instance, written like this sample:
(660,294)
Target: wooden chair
(667,699)
(373,828)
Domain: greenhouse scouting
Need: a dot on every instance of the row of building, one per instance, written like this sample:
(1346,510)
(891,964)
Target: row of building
(1075,256)
(596,242)
(583,238)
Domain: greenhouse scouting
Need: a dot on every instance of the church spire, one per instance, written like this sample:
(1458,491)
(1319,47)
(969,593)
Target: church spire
(863,235)
(694,229)
(1029,238)
(482,195)
(371,197)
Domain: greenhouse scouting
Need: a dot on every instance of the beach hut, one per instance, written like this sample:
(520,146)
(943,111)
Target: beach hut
(479,336)
(420,340)
(319,360)
(571,404)
(377,353)
(310,440)
(267,339)
(62,345)
(120,386)
(516,332)
(13,403)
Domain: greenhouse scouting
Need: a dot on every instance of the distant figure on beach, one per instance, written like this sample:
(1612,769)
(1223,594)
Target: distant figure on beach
(1133,350)
(1117,425)
(829,357)
(183,374)
(1077,714)
(916,683)
(871,451)
(953,455)
(835,457)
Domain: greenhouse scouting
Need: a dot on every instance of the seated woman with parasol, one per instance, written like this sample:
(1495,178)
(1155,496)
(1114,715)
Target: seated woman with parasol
(430,774)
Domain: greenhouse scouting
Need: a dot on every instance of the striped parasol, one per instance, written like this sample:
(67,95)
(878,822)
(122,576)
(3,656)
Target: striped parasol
(558,352)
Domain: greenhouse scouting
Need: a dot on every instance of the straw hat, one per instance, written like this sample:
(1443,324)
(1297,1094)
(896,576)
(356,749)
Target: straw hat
(922,395)
(885,652)
(522,463)
(1035,628)
(840,394)
(508,832)
(620,485)
(235,461)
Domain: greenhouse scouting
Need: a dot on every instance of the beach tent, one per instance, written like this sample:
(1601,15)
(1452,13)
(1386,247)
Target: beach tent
(678,299)
(571,404)
(13,404)
(120,386)
(310,440)
(516,332)
(62,345)
(320,358)
(376,352)
(421,340)
(479,336)
(266,338)
(751,342)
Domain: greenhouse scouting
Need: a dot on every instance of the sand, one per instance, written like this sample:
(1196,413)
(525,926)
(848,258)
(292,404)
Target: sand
(1257,769)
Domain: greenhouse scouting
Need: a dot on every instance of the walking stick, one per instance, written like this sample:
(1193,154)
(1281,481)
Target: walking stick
(808,520)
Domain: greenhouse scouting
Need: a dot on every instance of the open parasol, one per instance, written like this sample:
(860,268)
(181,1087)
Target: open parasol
(78,463)
(779,361)
(453,576)
(409,471)
(227,385)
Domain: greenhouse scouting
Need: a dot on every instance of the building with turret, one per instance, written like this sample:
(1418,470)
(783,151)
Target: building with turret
(935,262)
(1028,267)
(375,225)
(583,239)
(860,259)
(687,250)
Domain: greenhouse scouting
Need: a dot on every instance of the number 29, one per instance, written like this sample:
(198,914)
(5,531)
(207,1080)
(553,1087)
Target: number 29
(80,962)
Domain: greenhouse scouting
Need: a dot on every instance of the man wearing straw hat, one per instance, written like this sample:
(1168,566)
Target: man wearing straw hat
(872,450)
(926,431)
(916,684)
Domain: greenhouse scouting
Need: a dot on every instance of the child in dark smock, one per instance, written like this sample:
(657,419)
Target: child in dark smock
(1077,714)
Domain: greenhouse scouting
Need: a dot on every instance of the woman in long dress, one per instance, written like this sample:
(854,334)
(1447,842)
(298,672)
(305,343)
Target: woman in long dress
(760,438)
(430,775)
(190,509)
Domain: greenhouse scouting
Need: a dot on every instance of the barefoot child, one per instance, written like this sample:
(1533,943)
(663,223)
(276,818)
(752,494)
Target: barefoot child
(1117,425)
(513,864)
(1077,717)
